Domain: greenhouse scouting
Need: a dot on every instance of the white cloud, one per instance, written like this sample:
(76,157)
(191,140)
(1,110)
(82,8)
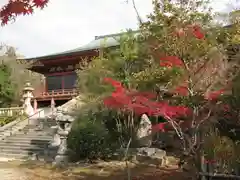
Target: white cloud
(65,25)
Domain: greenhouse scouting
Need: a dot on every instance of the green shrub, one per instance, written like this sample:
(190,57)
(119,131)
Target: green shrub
(90,139)
(7,119)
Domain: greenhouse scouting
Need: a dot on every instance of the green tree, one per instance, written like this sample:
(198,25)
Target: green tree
(19,73)
(119,63)
(7,88)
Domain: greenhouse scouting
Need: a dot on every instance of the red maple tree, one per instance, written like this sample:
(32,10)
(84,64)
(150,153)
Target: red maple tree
(15,8)
(185,120)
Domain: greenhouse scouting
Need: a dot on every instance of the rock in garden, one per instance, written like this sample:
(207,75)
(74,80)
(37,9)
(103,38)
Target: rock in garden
(160,153)
(146,151)
(151,156)
(144,133)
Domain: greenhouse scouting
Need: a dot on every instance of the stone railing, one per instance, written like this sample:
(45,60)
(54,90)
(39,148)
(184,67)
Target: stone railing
(18,124)
(8,112)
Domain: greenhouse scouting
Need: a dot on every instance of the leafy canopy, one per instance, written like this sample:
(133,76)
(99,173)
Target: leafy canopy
(7,88)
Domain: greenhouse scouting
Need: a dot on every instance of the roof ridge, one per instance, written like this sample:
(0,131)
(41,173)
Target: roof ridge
(112,35)
(107,35)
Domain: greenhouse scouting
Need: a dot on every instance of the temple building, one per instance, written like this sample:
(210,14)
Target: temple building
(59,69)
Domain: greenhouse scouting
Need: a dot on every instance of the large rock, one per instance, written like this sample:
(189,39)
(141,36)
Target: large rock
(144,133)
(151,156)
(146,151)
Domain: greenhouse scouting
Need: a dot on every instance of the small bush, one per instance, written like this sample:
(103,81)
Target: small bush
(7,119)
(90,140)
(223,150)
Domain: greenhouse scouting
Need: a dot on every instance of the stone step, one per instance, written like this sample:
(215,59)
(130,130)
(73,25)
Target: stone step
(35,131)
(1,134)
(22,145)
(28,152)
(24,142)
(42,130)
(13,156)
(22,150)
(29,138)
(37,127)
(34,126)
(24,156)
(34,137)
(43,122)
(33,134)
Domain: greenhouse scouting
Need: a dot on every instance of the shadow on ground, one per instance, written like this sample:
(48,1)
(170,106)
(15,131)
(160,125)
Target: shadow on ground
(101,171)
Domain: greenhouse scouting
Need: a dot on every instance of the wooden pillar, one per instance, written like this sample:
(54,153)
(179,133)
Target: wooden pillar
(62,77)
(44,84)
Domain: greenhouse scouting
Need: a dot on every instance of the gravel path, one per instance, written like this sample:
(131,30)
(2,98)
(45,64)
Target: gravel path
(12,174)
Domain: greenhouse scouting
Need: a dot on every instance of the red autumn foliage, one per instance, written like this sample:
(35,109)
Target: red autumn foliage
(197,32)
(149,95)
(159,127)
(140,104)
(214,95)
(181,90)
(171,61)
(210,161)
(19,7)
(226,108)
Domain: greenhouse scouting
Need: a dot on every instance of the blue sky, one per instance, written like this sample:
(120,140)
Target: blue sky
(68,24)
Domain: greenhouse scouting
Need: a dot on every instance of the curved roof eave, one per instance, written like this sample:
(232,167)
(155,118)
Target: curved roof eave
(93,45)
(99,42)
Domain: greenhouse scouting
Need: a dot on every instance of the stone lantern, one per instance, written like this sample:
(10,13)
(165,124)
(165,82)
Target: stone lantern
(27,96)
(64,123)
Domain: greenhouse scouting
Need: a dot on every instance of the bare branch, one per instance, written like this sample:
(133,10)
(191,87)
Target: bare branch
(138,15)
(204,119)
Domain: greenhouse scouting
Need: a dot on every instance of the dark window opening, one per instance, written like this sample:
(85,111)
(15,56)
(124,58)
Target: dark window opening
(54,82)
(59,82)
(70,81)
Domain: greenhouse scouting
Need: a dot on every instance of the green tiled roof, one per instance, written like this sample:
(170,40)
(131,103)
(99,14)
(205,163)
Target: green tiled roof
(99,42)
(96,44)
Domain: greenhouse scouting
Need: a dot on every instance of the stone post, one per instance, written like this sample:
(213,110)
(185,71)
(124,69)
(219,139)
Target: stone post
(27,96)
(64,122)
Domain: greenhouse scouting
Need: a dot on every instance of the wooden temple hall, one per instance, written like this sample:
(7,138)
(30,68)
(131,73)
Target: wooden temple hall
(59,70)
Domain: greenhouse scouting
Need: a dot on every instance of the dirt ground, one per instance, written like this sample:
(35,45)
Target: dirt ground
(99,171)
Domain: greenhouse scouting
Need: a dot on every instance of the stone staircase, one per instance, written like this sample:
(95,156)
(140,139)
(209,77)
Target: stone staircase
(31,141)
(24,140)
